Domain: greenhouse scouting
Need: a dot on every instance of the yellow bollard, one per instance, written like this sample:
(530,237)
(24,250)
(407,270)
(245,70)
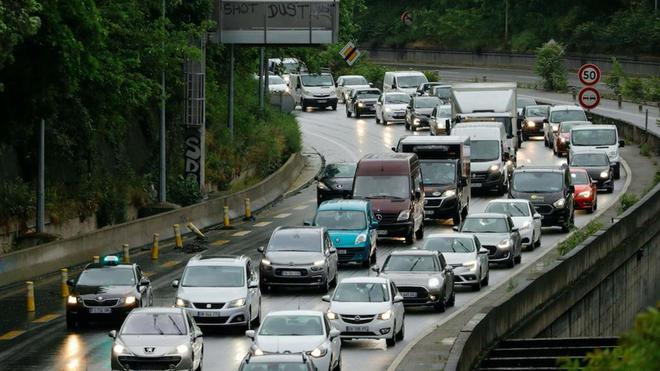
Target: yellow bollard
(30,296)
(96,259)
(154,248)
(195,230)
(178,242)
(226,214)
(248,210)
(65,277)
(126,258)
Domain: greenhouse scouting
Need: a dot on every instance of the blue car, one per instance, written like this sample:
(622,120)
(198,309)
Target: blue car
(352,228)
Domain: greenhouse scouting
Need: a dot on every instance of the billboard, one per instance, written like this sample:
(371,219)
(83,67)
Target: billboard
(277,22)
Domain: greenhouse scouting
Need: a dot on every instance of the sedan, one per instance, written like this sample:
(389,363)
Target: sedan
(427,87)
(391,107)
(465,254)
(585,196)
(597,164)
(367,308)
(498,234)
(440,121)
(277,362)
(422,277)
(362,102)
(336,181)
(524,217)
(419,111)
(532,120)
(299,331)
(345,83)
(162,338)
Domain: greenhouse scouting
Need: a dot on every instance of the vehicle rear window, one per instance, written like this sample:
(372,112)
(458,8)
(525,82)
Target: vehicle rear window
(449,244)
(154,324)
(410,263)
(443,93)
(341,220)
(275,80)
(510,208)
(541,182)
(367,94)
(339,171)
(525,101)
(590,159)
(536,111)
(485,225)
(385,186)
(355,81)
(426,102)
(398,98)
(567,126)
(438,172)
(412,81)
(287,240)
(291,326)
(594,137)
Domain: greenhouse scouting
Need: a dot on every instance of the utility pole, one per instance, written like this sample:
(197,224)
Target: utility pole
(230,118)
(40,177)
(506,21)
(262,75)
(162,194)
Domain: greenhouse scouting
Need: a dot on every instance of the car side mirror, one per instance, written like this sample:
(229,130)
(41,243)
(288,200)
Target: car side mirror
(509,136)
(332,250)
(545,121)
(334,333)
(594,182)
(514,229)
(261,249)
(538,216)
(417,194)
(307,223)
(622,143)
(175,283)
(254,284)
(70,282)
(394,86)
(371,84)
(449,268)
(374,224)
(398,299)
(455,228)
(113,334)
(393,149)
(145,282)
(483,251)
(326,298)
(571,188)
(376,269)
(250,333)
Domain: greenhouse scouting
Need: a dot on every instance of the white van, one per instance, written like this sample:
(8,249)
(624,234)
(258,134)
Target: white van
(490,162)
(313,90)
(285,67)
(597,138)
(403,81)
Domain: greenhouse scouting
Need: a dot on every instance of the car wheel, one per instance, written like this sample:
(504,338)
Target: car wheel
(610,189)
(357,112)
(333,283)
(325,285)
(367,263)
(402,332)
(511,262)
(518,258)
(456,219)
(420,232)
(334,107)
(501,188)
(338,366)
(348,113)
(407,126)
(596,204)
(303,107)
(391,341)
(372,259)
(537,243)
(617,172)
(591,209)
(257,320)
(377,120)
(70,322)
(440,306)
(566,226)
(452,298)
(477,286)
(486,279)
(410,237)
(264,288)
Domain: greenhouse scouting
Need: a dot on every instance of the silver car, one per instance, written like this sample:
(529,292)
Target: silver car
(422,277)
(498,234)
(220,290)
(464,253)
(438,121)
(277,362)
(158,339)
(391,107)
(345,83)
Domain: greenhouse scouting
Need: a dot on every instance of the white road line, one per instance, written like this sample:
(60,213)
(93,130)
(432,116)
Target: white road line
(301,207)
(282,216)
(262,224)
(338,144)
(241,233)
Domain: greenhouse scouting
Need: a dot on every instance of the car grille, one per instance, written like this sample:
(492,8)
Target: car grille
(321,95)
(206,305)
(216,320)
(422,294)
(348,255)
(432,202)
(357,319)
(102,303)
(149,363)
(280,272)
(543,208)
(386,218)
(479,176)
(491,249)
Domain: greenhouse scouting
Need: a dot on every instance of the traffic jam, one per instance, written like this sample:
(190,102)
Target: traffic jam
(473,134)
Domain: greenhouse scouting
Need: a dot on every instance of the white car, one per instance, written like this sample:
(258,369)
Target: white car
(438,120)
(464,253)
(391,107)
(524,216)
(367,308)
(345,83)
(559,114)
(299,331)
(276,84)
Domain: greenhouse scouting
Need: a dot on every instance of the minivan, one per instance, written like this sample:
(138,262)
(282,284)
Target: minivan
(403,81)
(597,138)
(392,182)
(314,90)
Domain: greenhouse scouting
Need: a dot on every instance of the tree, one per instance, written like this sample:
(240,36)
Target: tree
(550,66)
(18,20)
(615,78)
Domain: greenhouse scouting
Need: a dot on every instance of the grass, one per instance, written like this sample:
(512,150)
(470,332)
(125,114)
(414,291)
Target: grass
(645,150)
(627,200)
(579,236)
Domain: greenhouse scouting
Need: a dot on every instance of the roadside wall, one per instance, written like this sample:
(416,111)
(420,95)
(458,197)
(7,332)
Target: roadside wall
(46,258)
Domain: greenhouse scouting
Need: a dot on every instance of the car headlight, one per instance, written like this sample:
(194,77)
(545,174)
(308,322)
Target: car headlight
(286,78)
(360,104)
(331,315)
(287,90)
(449,193)
(182,303)
(605,174)
(472,265)
(612,153)
(416,121)
(494,168)
(388,109)
(118,348)
(385,315)
(323,186)
(434,282)
(237,303)
(560,203)
(72,299)
(129,300)
(531,124)
(333,93)
(319,263)
(584,194)
(404,215)
(318,352)
(182,349)
(525,226)
(555,127)
(504,244)
(362,237)
(265,262)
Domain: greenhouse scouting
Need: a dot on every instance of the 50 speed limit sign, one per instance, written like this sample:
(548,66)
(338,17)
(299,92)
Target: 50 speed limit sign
(589,97)
(589,74)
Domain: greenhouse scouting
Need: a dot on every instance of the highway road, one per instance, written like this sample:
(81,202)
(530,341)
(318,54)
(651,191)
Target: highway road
(338,138)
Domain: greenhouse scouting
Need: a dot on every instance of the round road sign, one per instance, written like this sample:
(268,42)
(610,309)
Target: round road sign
(406,18)
(589,97)
(589,74)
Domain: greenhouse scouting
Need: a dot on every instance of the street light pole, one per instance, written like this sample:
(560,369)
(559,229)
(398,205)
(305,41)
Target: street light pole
(162,194)
(40,177)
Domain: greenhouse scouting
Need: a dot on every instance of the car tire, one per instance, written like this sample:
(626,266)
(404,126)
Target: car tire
(477,286)
(566,227)
(610,189)
(384,122)
(348,113)
(518,258)
(334,107)
(617,171)
(410,237)
(486,279)
(303,106)
(377,120)
(335,280)
(452,299)
(71,322)
(419,234)
(407,126)
(456,219)
(357,112)
(538,242)
(511,262)
(372,259)
(391,341)
(264,288)
(596,204)
(338,366)
(325,285)
(257,320)
(440,306)
(402,332)
(501,188)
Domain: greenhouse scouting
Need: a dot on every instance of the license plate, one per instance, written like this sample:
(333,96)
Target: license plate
(342,252)
(101,310)
(290,273)
(357,328)
(382,233)
(408,294)
(321,101)
(428,212)
(476,185)
(208,314)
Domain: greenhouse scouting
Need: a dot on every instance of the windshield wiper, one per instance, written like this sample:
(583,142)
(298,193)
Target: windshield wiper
(175,325)
(160,331)
(522,213)
(412,267)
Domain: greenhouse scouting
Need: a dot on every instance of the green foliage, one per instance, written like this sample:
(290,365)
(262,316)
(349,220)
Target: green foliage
(579,236)
(112,206)
(526,41)
(633,88)
(550,66)
(184,191)
(18,20)
(615,77)
(431,76)
(627,200)
(645,149)
(17,202)
(652,89)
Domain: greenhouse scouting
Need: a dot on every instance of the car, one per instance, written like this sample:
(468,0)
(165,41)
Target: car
(425,88)
(220,290)
(277,362)
(532,118)
(440,120)
(362,102)
(313,90)
(558,114)
(298,257)
(523,101)
(550,190)
(345,83)
(585,196)
(298,331)
(367,308)
(157,338)
(598,138)
(464,253)
(419,111)
(285,67)
(498,234)
(597,164)
(276,84)
(335,181)
(391,107)
(524,217)
(106,291)
(422,277)
(403,81)
(351,225)
(562,138)
(443,92)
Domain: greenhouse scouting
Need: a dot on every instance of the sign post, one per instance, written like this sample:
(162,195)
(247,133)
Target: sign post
(589,75)
(589,97)
(350,53)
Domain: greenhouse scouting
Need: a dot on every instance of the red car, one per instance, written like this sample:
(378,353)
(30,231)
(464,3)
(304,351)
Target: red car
(586,190)
(563,136)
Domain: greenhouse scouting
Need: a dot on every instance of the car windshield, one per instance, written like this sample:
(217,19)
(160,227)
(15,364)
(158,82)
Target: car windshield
(567,115)
(410,81)
(426,102)
(358,80)
(579,178)
(443,111)
(443,93)
(287,240)
(361,292)
(484,150)
(107,277)
(538,182)
(525,101)
(213,276)
(566,127)
(154,324)
(594,137)
(450,244)
(274,366)
(438,172)
(382,186)
(536,111)
(290,67)
(510,208)
(317,80)
(590,159)
(398,98)
(275,80)
(339,171)
(410,263)
(367,94)
(484,225)
(294,325)
(340,219)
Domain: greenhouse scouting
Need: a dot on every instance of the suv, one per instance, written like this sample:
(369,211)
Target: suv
(550,190)
(220,290)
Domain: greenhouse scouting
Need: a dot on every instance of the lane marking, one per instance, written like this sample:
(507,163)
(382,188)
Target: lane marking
(241,233)
(46,318)
(12,334)
(352,154)
(262,224)
(169,264)
(219,242)
(282,216)
(301,207)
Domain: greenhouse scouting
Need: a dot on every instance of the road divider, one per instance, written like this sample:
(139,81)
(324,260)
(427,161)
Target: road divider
(195,230)
(248,210)
(178,241)
(126,253)
(154,247)
(64,286)
(96,259)
(225,213)
(30,305)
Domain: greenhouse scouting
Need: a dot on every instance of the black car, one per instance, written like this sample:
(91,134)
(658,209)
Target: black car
(597,164)
(362,102)
(106,291)
(419,111)
(336,181)
(550,191)
(532,120)
(425,88)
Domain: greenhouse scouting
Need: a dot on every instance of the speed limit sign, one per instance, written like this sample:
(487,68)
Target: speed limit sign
(589,97)
(589,74)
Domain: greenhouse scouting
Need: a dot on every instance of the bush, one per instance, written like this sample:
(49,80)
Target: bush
(579,236)
(645,149)
(112,207)
(525,41)
(651,87)
(627,200)
(184,191)
(17,203)
(432,76)
(633,88)
(550,66)
(615,78)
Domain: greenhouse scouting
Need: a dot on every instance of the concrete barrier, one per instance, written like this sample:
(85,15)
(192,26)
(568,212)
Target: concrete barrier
(43,259)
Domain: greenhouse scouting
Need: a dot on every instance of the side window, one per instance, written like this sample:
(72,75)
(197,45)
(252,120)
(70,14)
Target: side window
(393,290)
(477,244)
(417,181)
(189,319)
(511,225)
(443,263)
(248,271)
(326,325)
